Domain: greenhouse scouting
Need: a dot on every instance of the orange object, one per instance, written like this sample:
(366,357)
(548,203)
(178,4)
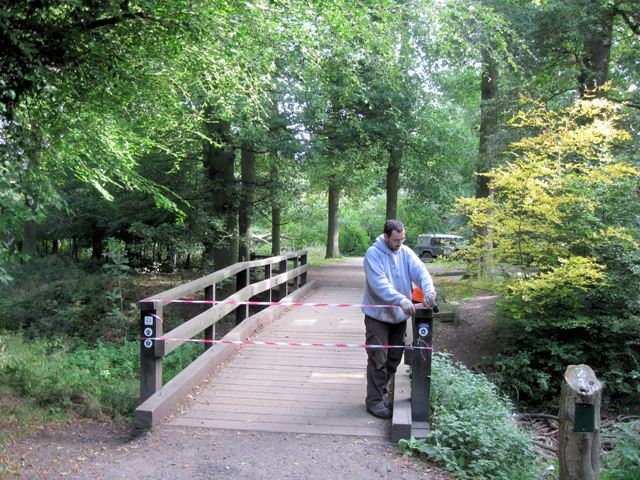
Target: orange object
(417,295)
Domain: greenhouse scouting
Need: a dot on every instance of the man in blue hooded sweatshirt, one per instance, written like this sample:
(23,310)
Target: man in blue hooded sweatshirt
(391,269)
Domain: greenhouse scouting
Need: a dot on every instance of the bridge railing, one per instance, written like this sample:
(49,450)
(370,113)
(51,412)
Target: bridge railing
(291,270)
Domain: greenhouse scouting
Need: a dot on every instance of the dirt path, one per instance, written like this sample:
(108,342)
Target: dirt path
(97,450)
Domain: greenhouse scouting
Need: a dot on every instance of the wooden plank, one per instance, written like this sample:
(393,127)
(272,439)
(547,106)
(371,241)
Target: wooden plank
(284,396)
(374,430)
(302,388)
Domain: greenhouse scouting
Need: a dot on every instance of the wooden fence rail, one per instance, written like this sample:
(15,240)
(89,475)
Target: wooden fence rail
(155,400)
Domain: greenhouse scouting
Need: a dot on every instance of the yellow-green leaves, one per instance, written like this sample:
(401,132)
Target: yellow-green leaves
(547,203)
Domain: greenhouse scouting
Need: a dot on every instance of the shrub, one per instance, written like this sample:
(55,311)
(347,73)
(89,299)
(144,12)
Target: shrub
(56,297)
(89,380)
(472,431)
(623,462)
(354,240)
(562,212)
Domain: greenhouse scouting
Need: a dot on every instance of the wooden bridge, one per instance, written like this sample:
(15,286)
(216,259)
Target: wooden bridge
(283,388)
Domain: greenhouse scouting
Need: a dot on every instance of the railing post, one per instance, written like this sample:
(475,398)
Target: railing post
(421,372)
(267,275)
(296,280)
(242,280)
(210,331)
(284,286)
(150,364)
(579,416)
(303,261)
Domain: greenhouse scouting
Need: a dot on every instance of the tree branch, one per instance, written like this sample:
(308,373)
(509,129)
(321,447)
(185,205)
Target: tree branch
(635,27)
(112,20)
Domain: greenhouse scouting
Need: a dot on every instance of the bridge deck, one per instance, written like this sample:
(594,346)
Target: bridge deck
(295,389)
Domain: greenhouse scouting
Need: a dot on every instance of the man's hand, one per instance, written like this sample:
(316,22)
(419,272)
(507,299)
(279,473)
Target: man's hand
(407,306)
(429,300)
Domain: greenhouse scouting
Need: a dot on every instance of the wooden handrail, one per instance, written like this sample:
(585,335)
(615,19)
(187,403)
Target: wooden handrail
(194,286)
(152,352)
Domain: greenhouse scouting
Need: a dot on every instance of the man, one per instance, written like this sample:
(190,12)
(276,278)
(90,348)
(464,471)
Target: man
(390,268)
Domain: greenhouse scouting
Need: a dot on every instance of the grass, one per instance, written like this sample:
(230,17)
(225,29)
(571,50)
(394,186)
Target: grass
(465,289)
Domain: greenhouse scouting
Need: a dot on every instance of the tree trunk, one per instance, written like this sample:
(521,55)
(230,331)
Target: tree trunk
(30,228)
(597,34)
(487,147)
(275,230)
(579,416)
(393,182)
(333,230)
(247,194)
(29,238)
(219,156)
(488,122)
(97,242)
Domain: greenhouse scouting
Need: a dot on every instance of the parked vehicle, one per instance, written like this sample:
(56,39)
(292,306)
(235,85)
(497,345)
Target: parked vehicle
(434,245)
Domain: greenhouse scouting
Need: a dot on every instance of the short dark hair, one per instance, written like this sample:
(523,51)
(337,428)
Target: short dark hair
(392,225)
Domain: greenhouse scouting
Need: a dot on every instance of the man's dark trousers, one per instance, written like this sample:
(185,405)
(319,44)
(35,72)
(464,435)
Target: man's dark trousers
(382,363)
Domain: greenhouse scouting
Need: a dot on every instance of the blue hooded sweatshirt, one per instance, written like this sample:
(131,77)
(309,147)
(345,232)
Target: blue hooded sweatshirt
(389,277)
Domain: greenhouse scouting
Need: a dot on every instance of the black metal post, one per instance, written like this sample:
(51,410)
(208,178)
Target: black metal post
(421,372)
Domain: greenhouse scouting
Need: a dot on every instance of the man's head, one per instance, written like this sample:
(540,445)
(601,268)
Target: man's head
(393,234)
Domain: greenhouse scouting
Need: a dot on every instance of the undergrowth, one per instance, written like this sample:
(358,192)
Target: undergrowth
(623,463)
(473,434)
(95,380)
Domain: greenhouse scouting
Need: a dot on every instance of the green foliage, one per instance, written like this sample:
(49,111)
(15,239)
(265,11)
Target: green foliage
(559,294)
(623,462)
(89,380)
(558,216)
(56,297)
(472,432)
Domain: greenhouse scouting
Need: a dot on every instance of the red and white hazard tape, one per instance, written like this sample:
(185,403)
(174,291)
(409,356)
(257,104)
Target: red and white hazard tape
(283,304)
(287,344)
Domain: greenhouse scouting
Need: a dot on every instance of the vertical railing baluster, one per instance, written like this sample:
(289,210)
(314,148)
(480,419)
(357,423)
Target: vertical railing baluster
(242,280)
(210,331)
(267,275)
(296,281)
(303,261)
(284,290)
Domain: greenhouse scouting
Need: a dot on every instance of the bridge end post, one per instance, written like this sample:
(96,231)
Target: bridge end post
(150,361)
(411,399)
(421,372)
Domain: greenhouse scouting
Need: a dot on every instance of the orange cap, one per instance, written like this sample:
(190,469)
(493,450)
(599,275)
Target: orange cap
(417,295)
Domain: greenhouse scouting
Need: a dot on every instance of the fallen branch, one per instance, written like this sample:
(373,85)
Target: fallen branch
(619,419)
(529,416)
